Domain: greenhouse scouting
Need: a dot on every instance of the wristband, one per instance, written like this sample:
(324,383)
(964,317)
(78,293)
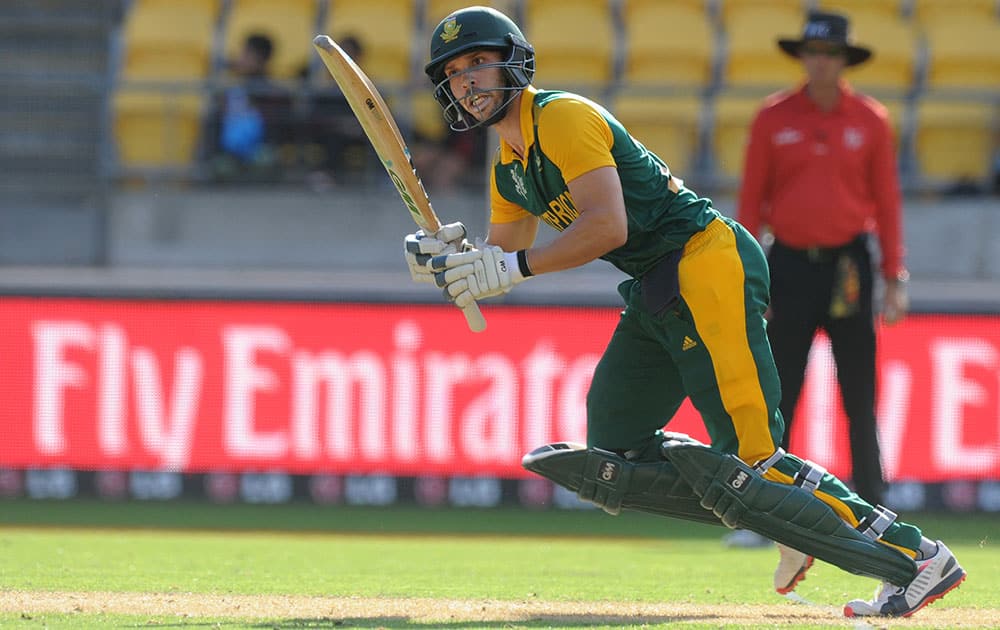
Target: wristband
(522,263)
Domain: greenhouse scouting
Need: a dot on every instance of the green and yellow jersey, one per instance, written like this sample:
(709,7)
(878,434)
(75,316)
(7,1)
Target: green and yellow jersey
(565,136)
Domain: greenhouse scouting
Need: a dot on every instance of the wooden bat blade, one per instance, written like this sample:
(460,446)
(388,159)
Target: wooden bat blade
(383,133)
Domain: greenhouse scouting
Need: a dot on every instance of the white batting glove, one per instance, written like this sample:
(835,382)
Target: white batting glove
(419,248)
(484,272)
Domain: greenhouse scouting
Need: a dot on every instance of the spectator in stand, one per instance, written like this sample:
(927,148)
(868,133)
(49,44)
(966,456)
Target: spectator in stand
(821,176)
(454,160)
(339,151)
(252,116)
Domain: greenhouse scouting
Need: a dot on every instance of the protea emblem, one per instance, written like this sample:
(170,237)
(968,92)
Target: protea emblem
(449,32)
(519,184)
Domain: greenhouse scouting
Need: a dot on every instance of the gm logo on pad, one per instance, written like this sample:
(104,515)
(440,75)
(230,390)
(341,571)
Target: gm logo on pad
(739,480)
(608,471)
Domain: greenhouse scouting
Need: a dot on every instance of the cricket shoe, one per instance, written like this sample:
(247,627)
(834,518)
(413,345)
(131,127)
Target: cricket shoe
(936,576)
(792,567)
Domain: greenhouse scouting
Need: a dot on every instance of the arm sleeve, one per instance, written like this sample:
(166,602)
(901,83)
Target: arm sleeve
(575,137)
(884,184)
(756,181)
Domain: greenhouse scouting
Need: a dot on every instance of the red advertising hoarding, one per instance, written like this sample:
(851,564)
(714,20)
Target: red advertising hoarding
(198,386)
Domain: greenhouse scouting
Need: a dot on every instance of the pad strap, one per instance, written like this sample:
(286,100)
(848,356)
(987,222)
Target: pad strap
(809,476)
(877,522)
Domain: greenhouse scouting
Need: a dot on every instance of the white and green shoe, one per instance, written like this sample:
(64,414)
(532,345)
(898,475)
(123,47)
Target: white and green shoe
(936,576)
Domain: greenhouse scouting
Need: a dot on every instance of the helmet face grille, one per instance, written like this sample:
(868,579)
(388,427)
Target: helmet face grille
(517,76)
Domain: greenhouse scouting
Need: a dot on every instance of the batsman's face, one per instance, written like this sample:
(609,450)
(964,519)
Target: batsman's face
(476,81)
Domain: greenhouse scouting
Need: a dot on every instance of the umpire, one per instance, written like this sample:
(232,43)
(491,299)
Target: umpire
(820,174)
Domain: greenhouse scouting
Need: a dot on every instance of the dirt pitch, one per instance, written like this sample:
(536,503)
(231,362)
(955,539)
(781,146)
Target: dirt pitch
(342,611)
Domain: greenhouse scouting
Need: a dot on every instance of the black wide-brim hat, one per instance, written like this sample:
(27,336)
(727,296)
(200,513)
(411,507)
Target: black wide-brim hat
(832,28)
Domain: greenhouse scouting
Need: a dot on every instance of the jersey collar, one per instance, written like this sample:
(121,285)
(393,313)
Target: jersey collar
(846,95)
(507,154)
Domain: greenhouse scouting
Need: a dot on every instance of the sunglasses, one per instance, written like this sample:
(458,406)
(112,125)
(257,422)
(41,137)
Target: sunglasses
(835,51)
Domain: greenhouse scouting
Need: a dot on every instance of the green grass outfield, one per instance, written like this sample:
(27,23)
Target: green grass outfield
(186,565)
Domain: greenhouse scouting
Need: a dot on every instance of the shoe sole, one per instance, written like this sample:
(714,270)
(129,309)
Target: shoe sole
(952,583)
(933,597)
(798,577)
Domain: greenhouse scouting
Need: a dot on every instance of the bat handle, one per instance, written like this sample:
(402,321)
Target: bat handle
(474,318)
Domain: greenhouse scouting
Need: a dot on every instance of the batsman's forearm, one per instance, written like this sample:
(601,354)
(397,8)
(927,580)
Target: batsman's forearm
(588,238)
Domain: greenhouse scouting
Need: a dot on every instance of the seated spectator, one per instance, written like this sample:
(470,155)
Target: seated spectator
(455,160)
(338,151)
(252,117)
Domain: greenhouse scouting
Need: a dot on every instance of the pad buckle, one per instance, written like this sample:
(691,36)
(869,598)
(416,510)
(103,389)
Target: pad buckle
(765,464)
(877,522)
(809,476)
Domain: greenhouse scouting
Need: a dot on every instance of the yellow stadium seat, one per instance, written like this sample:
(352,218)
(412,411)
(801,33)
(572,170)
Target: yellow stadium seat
(897,109)
(752,54)
(210,6)
(291,25)
(686,57)
(963,52)
(852,8)
(895,47)
(167,42)
(428,121)
(669,126)
(574,42)
(385,29)
(927,12)
(728,8)
(955,139)
(732,117)
(157,129)
(437,10)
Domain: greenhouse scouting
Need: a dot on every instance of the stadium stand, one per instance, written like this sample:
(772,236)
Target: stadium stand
(169,41)
(157,129)
(963,52)
(669,126)
(385,30)
(291,25)
(650,60)
(437,10)
(685,55)
(752,58)
(727,9)
(574,41)
(854,8)
(927,12)
(955,140)
(892,67)
(732,115)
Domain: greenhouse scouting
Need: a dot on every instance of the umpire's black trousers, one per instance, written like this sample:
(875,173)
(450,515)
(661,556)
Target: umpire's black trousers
(803,284)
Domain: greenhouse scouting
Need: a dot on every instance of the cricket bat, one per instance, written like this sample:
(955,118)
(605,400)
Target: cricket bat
(381,129)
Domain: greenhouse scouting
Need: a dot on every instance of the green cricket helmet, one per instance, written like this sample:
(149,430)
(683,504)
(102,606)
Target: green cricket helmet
(475,28)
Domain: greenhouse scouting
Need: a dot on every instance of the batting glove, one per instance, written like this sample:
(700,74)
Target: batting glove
(486,271)
(419,248)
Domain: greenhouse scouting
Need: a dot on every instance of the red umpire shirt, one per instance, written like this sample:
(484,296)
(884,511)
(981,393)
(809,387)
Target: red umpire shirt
(819,179)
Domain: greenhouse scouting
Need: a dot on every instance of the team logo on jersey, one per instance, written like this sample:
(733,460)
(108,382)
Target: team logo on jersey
(519,184)
(449,32)
(853,138)
(787,136)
